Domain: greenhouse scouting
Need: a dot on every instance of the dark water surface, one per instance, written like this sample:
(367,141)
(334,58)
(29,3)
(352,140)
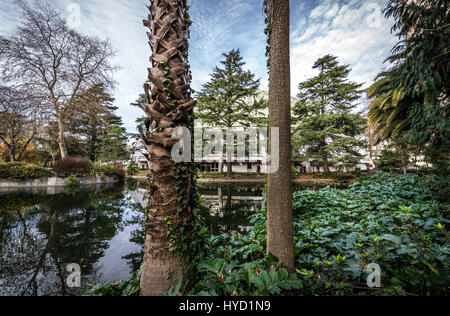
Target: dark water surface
(99,228)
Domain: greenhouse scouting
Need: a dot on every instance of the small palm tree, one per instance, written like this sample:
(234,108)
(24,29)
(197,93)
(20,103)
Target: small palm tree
(388,112)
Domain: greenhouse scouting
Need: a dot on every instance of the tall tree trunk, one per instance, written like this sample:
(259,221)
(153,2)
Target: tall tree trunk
(61,138)
(229,155)
(12,150)
(170,190)
(326,164)
(92,151)
(229,169)
(280,239)
(24,148)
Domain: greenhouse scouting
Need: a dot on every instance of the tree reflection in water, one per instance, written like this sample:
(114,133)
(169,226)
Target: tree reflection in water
(227,208)
(41,234)
(99,228)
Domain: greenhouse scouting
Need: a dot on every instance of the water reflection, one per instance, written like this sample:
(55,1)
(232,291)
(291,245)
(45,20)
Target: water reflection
(98,227)
(41,233)
(227,207)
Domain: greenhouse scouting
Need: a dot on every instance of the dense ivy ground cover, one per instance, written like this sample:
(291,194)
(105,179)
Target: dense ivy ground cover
(389,220)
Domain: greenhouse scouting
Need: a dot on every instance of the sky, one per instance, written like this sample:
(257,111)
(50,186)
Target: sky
(353,30)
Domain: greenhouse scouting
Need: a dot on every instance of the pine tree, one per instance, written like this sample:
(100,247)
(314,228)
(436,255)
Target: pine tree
(326,129)
(113,145)
(229,99)
(94,116)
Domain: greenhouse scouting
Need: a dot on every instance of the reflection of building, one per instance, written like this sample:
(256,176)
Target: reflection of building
(227,208)
(226,198)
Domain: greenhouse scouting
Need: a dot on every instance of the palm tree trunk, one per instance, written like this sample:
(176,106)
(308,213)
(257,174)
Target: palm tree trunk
(280,240)
(169,106)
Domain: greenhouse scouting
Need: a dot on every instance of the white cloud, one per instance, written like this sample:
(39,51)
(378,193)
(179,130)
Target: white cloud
(347,31)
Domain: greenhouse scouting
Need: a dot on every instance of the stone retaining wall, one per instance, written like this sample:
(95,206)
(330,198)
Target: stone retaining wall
(55,182)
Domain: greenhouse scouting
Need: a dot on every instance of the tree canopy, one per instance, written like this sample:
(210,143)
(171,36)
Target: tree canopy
(421,68)
(229,98)
(325,129)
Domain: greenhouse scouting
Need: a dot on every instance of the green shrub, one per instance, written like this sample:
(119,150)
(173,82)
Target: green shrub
(389,220)
(112,170)
(95,169)
(106,170)
(72,181)
(389,160)
(22,171)
(128,287)
(133,168)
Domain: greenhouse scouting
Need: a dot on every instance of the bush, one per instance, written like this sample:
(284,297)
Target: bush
(389,160)
(133,168)
(99,169)
(72,166)
(128,287)
(113,170)
(72,181)
(22,171)
(95,169)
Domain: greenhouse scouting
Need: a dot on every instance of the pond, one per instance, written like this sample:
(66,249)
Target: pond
(99,228)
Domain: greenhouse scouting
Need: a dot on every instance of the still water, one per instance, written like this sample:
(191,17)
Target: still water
(100,228)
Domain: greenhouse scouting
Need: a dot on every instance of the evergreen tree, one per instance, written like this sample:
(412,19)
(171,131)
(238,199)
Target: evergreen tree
(229,99)
(113,145)
(94,115)
(326,129)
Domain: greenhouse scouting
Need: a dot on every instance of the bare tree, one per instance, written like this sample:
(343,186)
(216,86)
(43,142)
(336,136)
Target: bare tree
(44,56)
(21,116)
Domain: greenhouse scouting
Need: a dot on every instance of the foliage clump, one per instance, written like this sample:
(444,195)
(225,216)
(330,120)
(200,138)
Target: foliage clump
(17,171)
(128,287)
(71,166)
(391,220)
